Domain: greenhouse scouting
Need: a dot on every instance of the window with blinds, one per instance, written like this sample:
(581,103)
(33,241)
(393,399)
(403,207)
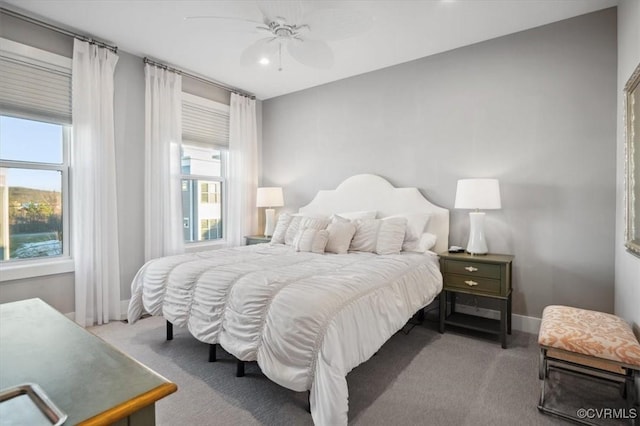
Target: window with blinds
(204,121)
(35,135)
(35,84)
(205,138)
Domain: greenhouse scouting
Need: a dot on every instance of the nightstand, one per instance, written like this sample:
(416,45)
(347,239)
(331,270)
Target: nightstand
(482,276)
(256,239)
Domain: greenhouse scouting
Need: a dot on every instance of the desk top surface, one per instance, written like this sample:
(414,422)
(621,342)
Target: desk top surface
(90,380)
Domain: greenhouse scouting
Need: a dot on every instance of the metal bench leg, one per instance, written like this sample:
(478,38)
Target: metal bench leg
(240,369)
(169,331)
(543,373)
(212,352)
(630,393)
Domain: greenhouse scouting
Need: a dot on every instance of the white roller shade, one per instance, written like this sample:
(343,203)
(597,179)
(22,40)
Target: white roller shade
(35,83)
(204,121)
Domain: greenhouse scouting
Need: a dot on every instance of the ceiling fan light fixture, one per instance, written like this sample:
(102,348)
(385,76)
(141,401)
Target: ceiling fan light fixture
(304,36)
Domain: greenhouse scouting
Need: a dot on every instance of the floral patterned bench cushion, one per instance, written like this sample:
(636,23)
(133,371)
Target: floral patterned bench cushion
(589,333)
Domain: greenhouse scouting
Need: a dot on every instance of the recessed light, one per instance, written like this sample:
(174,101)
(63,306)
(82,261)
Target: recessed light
(264,61)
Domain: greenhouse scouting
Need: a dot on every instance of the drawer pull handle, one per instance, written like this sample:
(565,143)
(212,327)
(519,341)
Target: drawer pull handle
(471,283)
(471,268)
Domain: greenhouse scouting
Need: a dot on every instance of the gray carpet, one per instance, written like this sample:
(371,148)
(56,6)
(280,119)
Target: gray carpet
(419,378)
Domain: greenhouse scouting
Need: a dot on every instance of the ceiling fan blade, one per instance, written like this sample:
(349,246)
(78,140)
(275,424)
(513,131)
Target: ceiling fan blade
(281,10)
(337,23)
(314,53)
(222,18)
(265,48)
(227,24)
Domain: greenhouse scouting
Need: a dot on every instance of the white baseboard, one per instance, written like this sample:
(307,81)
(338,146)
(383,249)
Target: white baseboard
(124,307)
(518,322)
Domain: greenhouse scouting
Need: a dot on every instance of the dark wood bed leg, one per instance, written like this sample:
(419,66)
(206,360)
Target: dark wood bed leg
(212,352)
(309,401)
(421,316)
(169,331)
(240,369)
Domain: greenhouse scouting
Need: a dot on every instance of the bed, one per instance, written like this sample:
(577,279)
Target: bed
(308,318)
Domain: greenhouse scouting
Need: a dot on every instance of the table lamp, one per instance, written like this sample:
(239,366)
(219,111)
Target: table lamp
(477,194)
(269,197)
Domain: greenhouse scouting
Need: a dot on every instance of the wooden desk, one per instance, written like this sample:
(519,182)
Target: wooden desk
(88,379)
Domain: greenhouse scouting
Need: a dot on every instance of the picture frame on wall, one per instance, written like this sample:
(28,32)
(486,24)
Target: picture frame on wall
(632,162)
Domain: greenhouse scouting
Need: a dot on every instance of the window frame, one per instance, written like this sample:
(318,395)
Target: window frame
(46,265)
(15,269)
(222,179)
(223,198)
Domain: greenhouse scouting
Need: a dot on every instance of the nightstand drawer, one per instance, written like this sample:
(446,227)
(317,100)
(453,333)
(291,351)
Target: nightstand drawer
(475,284)
(472,268)
(256,239)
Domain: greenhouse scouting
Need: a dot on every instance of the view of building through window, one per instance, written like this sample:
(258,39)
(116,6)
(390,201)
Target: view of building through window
(32,168)
(202,192)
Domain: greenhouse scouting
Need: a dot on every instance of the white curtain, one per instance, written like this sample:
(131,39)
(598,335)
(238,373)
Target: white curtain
(163,135)
(93,186)
(243,170)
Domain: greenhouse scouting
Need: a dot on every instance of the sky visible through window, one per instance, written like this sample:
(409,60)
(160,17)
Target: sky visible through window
(27,140)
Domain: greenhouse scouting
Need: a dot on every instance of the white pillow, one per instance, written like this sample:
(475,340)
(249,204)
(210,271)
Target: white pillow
(426,242)
(391,235)
(340,235)
(299,221)
(364,214)
(366,235)
(281,228)
(382,236)
(309,239)
(416,223)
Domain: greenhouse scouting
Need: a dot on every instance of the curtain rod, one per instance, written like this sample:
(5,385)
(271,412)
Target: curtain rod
(60,30)
(197,77)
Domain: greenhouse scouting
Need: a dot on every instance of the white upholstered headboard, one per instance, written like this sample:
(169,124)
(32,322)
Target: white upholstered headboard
(371,192)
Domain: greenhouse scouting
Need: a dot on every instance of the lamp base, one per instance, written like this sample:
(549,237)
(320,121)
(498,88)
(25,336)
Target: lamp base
(477,243)
(269,222)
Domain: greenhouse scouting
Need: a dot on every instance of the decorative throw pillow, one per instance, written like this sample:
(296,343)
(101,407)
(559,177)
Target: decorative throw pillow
(299,222)
(281,228)
(340,235)
(381,236)
(391,235)
(312,240)
(366,235)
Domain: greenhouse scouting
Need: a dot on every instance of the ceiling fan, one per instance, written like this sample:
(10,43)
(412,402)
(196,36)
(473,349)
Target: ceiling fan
(300,28)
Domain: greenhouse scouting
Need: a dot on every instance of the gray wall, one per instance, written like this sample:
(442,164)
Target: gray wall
(129,138)
(627,268)
(536,109)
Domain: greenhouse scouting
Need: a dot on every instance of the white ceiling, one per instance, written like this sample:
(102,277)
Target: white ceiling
(402,31)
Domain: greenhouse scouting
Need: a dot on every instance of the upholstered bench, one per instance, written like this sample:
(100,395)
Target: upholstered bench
(589,343)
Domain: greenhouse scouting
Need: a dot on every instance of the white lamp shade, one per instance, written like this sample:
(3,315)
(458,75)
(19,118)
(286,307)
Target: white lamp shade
(269,196)
(482,194)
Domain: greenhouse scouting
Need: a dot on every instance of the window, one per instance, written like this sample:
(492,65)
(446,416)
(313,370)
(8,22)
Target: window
(33,173)
(210,193)
(35,132)
(204,164)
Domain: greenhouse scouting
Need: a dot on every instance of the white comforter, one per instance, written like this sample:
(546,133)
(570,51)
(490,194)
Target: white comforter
(308,319)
